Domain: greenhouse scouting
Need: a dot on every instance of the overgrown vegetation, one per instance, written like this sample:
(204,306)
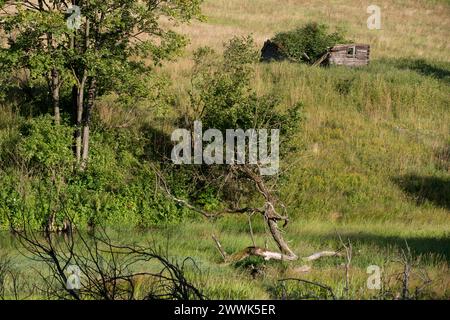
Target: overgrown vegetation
(308,43)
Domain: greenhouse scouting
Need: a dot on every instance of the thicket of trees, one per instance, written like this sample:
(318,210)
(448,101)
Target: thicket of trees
(103,53)
(50,69)
(61,159)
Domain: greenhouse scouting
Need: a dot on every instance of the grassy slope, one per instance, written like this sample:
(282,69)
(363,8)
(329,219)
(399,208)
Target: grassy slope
(373,164)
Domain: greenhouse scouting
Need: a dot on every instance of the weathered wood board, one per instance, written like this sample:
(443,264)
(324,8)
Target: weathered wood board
(352,55)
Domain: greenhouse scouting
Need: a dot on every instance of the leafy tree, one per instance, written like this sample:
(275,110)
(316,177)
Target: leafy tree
(224,99)
(35,33)
(113,49)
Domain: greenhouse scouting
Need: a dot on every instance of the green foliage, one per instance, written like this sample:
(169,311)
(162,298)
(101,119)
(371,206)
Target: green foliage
(311,39)
(118,44)
(224,98)
(118,188)
(208,199)
(223,93)
(114,44)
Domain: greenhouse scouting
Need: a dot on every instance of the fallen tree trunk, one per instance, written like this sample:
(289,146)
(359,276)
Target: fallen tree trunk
(252,251)
(267,254)
(261,252)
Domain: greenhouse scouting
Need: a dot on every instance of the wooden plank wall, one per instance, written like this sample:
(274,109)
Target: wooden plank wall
(339,56)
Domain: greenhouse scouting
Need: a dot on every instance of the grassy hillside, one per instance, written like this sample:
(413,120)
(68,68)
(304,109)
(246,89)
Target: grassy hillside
(374,163)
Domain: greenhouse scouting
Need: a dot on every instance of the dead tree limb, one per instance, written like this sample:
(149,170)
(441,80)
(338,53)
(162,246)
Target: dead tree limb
(204,213)
(348,260)
(271,217)
(250,251)
(321,254)
(269,212)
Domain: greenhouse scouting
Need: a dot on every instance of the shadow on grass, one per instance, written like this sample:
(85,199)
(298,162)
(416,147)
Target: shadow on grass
(427,247)
(419,245)
(437,70)
(433,189)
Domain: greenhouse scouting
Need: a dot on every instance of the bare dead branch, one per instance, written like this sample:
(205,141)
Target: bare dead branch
(322,254)
(219,247)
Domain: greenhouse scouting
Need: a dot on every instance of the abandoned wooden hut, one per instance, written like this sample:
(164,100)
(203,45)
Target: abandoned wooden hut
(352,55)
(272,51)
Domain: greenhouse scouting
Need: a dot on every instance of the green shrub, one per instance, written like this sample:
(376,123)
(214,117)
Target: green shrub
(222,87)
(46,146)
(312,39)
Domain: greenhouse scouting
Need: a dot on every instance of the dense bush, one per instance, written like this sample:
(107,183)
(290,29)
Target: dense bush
(222,90)
(44,146)
(312,39)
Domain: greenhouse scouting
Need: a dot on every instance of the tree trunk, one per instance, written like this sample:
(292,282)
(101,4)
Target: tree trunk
(54,82)
(270,214)
(79,102)
(87,121)
(55,85)
(79,117)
